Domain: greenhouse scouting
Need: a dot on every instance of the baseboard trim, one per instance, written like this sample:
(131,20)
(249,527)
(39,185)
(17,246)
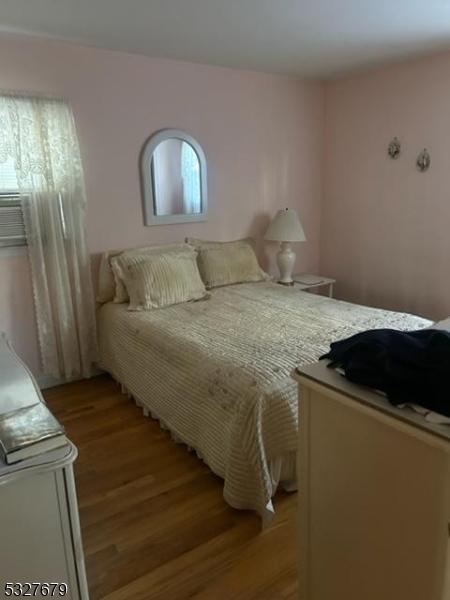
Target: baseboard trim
(48,381)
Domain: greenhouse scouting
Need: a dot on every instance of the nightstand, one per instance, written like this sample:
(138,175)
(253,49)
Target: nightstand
(306,281)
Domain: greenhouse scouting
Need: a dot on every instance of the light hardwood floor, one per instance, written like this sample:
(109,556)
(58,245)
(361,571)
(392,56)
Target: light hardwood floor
(154,522)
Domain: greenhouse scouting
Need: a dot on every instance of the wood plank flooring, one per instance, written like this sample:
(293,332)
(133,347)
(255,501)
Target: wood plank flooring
(154,522)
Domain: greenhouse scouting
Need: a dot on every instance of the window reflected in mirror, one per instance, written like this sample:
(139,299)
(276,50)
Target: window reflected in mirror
(176,179)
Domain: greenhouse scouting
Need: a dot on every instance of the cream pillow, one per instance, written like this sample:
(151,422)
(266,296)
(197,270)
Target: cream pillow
(107,280)
(106,286)
(118,263)
(226,263)
(162,279)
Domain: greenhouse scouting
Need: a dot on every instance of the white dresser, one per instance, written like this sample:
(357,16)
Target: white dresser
(40,539)
(374,495)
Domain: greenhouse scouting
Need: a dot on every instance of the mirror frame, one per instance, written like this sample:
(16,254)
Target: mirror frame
(150,218)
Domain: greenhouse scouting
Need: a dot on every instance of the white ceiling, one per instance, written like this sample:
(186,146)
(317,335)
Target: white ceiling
(319,38)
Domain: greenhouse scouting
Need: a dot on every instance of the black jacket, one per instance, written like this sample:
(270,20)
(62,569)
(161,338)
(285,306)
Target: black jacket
(408,366)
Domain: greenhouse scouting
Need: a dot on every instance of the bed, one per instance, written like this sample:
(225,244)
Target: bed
(216,373)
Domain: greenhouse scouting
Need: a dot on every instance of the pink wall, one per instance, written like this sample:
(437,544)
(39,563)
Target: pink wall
(262,135)
(385,226)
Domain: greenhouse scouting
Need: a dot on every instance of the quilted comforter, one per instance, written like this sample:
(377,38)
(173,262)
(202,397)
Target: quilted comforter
(217,374)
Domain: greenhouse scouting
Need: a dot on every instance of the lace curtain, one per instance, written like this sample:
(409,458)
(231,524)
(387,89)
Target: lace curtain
(39,135)
(190,172)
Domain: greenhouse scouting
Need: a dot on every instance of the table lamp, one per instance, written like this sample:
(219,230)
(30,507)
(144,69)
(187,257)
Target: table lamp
(285,228)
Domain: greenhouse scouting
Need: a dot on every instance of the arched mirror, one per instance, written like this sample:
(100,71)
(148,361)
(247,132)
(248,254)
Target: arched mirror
(173,170)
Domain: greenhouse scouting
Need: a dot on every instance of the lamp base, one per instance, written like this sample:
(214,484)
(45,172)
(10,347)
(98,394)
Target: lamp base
(285,283)
(286,261)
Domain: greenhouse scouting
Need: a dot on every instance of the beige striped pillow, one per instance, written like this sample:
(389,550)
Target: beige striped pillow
(226,263)
(106,285)
(118,264)
(110,285)
(163,279)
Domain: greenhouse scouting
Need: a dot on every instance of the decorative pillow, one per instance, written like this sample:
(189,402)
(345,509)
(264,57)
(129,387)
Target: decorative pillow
(106,287)
(225,263)
(106,278)
(162,279)
(118,263)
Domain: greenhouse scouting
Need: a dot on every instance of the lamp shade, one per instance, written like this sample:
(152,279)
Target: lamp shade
(285,227)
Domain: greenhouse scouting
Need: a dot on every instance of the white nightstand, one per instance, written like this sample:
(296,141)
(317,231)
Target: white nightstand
(306,281)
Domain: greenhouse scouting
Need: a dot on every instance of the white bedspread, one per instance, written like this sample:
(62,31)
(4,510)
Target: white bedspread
(217,373)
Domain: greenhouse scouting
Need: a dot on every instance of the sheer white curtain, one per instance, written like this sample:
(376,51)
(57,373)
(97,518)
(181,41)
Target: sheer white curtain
(190,172)
(39,134)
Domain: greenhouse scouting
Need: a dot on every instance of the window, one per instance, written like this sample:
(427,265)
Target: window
(190,173)
(12,230)
(46,175)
